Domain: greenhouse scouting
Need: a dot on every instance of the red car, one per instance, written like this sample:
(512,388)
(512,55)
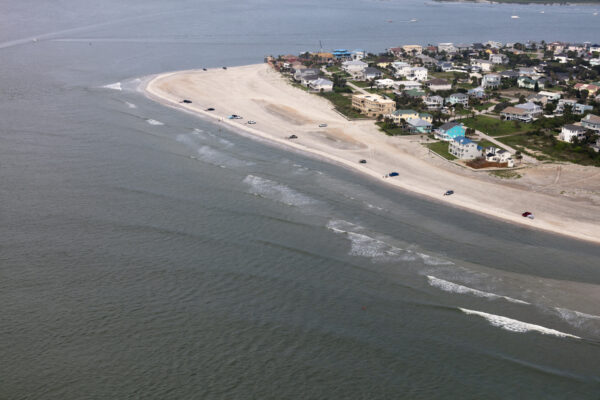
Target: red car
(527,214)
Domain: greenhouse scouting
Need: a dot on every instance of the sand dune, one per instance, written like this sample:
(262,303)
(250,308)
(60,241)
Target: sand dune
(257,92)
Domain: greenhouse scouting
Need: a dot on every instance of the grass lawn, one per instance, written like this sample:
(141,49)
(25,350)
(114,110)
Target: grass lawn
(343,104)
(362,84)
(493,126)
(442,149)
(483,106)
(333,68)
(391,131)
(552,150)
(486,143)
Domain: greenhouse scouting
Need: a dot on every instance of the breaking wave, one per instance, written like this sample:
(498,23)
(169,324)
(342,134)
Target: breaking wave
(276,191)
(460,289)
(130,105)
(113,86)
(579,319)
(377,249)
(154,122)
(513,325)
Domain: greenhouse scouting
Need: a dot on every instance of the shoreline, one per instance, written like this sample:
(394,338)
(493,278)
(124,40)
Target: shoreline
(350,142)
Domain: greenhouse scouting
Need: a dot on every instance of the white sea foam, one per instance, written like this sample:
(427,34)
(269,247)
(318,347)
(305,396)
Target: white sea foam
(276,191)
(130,105)
(577,318)
(430,260)
(113,86)
(154,122)
(220,158)
(514,325)
(451,287)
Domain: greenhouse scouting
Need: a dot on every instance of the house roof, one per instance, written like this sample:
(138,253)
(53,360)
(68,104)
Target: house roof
(371,70)
(462,140)
(459,95)
(592,118)
(322,81)
(402,112)
(575,128)
(418,122)
(449,125)
(515,110)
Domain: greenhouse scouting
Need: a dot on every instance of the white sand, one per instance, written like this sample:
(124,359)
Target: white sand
(259,93)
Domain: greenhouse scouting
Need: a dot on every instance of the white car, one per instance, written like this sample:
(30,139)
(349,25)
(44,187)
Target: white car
(251,122)
(322,125)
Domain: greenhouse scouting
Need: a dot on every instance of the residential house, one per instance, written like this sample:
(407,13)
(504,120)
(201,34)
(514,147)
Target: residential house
(550,96)
(516,114)
(395,51)
(527,71)
(385,83)
(342,54)
(576,108)
(463,46)
(414,93)
(509,74)
(493,44)
(491,81)
(371,73)
(373,105)
(446,66)
(449,131)
(403,69)
(358,54)
(498,58)
(592,122)
(485,65)
(418,74)
(438,84)
(594,62)
(418,126)
(307,80)
(434,102)
(591,88)
(464,148)
(321,85)
(355,68)
(532,108)
(302,74)
(595,48)
(407,85)
(530,83)
(412,49)
(570,132)
(447,47)
(458,98)
(495,154)
(427,61)
(399,115)
(478,92)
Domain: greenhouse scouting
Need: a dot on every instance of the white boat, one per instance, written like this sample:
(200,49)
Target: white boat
(515,17)
(413,20)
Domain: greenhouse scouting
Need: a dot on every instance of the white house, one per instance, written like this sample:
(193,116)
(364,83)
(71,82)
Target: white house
(485,65)
(550,96)
(303,73)
(576,108)
(458,98)
(418,73)
(354,67)
(463,148)
(434,102)
(321,84)
(447,47)
(491,81)
(385,83)
(408,85)
(498,59)
(438,84)
(371,73)
(495,154)
(531,108)
(569,132)
(402,69)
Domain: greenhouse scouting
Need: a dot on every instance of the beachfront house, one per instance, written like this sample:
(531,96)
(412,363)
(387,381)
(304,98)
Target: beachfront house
(465,149)
(491,81)
(412,49)
(458,98)
(373,105)
(483,65)
(399,115)
(321,85)
(418,126)
(447,47)
(342,54)
(302,74)
(511,113)
(591,88)
(592,122)
(449,131)
(434,102)
(438,84)
(497,155)
(530,83)
(570,132)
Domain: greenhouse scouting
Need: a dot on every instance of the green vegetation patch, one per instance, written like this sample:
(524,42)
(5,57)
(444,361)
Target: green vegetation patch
(547,147)
(506,174)
(441,148)
(493,126)
(343,104)
(391,130)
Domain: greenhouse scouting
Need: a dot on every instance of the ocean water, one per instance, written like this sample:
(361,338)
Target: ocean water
(146,253)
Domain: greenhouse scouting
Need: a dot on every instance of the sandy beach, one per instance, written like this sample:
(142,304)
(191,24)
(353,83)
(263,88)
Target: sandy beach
(564,198)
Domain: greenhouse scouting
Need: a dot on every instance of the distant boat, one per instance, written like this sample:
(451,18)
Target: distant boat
(542,12)
(413,20)
(515,17)
(595,13)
